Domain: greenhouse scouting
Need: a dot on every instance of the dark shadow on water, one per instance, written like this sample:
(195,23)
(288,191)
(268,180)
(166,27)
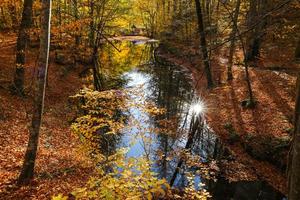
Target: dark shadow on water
(170,88)
(243,190)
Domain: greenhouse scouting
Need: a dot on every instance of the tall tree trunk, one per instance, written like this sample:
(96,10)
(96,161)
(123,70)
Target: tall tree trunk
(258,8)
(208,13)
(297,52)
(203,44)
(250,20)
(76,17)
(59,16)
(96,73)
(13,13)
(98,81)
(39,87)
(250,103)
(164,10)
(232,42)
(22,40)
(294,157)
(92,26)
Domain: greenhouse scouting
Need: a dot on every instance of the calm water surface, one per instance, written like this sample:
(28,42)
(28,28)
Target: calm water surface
(169,87)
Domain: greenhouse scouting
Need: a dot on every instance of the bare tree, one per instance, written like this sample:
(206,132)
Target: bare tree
(39,87)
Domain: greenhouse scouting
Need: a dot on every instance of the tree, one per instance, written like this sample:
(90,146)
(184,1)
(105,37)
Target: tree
(256,22)
(149,16)
(76,18)
(22,40)
(249,103)
(105,12)
(297,54)
(39,87)
(203,44)
(294,157)
(232,43)
(92,25)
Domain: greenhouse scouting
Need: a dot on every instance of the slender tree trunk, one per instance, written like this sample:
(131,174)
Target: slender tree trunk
(203,45)
(92,26)
(251,19)
(96,74)
(168,10)
(207,9)
(232,42)
(76,17)
(250,103)
(263,6)
(22,40)
(294,156)
(98,82)
(13,13)
(3,16)
(258,8)
(59,15)
(164,10)
(297,53)
(294,162)
(39,87)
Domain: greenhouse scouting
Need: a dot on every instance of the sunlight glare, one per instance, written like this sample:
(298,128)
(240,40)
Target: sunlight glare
(198,108)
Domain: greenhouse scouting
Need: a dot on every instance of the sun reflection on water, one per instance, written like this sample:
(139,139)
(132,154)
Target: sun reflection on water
(198,107)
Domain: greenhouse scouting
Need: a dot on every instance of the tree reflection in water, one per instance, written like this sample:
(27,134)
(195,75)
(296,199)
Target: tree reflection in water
(178,141)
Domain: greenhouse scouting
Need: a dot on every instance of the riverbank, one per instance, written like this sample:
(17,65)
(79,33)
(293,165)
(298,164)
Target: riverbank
(247,132)
(60,166)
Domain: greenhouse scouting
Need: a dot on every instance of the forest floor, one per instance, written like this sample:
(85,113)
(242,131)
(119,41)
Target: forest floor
(271,118)
(60,166)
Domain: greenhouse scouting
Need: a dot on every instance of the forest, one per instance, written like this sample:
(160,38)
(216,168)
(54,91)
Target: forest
(150,99)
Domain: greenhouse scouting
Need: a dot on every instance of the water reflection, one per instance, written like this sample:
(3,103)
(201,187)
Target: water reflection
(181,129)
(243,190)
